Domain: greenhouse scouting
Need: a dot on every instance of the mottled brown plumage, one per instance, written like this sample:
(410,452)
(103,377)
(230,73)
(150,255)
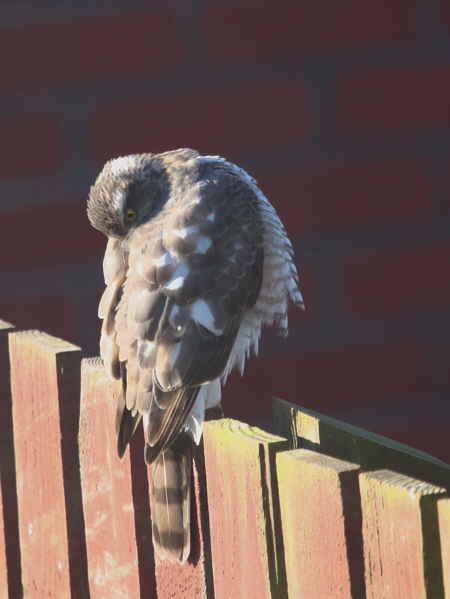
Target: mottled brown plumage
(196,262)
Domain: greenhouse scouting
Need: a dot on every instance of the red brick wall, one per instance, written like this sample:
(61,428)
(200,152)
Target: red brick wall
(340,110)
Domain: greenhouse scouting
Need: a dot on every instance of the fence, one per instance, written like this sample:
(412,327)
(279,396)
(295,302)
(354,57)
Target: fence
(344,515)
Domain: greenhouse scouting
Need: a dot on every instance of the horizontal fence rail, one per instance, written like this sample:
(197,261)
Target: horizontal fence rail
(314,509)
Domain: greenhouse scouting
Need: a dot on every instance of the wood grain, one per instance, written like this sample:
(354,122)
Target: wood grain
(321,518)
(45,384)
(243,503)
(401,536)
(112,536)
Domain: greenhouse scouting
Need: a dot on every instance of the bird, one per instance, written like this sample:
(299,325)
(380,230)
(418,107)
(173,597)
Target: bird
(197,262)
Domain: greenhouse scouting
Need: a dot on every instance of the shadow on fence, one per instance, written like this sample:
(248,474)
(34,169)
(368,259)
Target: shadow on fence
(316,509)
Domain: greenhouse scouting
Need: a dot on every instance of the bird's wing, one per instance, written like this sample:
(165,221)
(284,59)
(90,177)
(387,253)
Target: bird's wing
(115,265)
(192,271)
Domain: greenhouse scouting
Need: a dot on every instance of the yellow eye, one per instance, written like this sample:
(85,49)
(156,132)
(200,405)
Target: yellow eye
(130,215)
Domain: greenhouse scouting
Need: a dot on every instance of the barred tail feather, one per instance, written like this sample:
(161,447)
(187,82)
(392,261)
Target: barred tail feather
(170,497)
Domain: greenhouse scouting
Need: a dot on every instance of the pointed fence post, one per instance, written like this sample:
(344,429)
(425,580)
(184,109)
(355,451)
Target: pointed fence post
(45,383)
(117,536)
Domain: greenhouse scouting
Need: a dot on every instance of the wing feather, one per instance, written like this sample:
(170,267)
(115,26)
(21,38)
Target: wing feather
(192,273)
(114,269)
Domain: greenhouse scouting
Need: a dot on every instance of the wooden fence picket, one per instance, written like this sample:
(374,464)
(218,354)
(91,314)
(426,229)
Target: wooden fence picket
(45,374)
(320,512)
(241,482)
(112,540)
(401,536)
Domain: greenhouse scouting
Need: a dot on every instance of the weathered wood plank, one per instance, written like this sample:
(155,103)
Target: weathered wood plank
(321,522)
(443,506)
(322,433)
(45,379)
(401,536)
(241,482)
(10,574)
(117,535)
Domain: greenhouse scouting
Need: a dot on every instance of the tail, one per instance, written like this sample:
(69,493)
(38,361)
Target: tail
(170,499)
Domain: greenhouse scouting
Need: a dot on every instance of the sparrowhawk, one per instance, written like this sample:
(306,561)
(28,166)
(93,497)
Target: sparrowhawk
(197,261)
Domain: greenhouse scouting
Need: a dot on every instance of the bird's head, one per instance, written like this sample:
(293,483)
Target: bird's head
(128,191)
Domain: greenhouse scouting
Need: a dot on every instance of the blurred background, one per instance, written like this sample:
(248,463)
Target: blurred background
(341,110)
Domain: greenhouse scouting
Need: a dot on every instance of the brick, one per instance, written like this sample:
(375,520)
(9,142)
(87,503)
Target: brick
(45,383)
(351,196)
(397,281)
(10,570)
(321,524)
(51,313)
(444,13)
(48,234)
(120,46)
(400,532)
(353,444)
(211,121)
(443,507)
(254,30)
(32,145)
(108,503)
(393,101)
(348,374)
(240,474)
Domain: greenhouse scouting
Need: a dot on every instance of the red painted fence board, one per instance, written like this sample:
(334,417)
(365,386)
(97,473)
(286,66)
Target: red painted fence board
(321,524)
(109,508)
(401,538)
(240,472)
(43,383)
